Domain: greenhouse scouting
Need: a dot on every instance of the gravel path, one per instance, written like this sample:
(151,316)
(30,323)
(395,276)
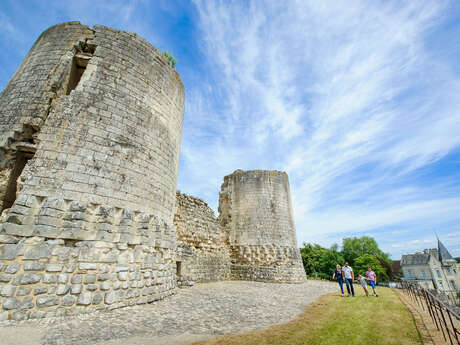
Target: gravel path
(201,312)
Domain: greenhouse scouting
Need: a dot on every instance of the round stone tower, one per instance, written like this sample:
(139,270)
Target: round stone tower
(90,125)
(256,212)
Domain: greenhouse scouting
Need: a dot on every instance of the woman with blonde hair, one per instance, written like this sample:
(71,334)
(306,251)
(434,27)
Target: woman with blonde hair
(339,276)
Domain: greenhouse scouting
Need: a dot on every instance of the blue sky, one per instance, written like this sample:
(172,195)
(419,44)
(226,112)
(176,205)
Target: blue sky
(359,102)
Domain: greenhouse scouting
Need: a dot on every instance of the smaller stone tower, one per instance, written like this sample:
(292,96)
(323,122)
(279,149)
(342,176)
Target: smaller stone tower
(256,214)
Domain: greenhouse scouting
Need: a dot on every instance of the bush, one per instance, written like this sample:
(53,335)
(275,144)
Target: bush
(172,60)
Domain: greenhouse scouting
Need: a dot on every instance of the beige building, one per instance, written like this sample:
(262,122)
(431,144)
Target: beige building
(435,269)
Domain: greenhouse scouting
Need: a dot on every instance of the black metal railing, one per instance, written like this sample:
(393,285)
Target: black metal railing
(447,321)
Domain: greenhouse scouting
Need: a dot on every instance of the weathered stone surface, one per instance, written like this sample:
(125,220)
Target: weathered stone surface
(54,268)
(10,251)
(256,213)
(5,277)
(201,242)
(34,266)
(90,278)
(123,275)
(110,297)
(49,278)
(101,113)
(8,290)
(91,287)
(76,289)
(9,239)
(88,266)
(68,300)
(97,298)
(47,301)
(39,290)
(27,303)
(38,251)
(84,298)
(30,278)
(11,303)
(62,289)
(23,291)
(105,286)
(63,278)
(112,135)
(12,268)
(77,279)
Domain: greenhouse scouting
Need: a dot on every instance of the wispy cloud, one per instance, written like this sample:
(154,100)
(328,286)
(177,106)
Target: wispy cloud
(357,101)
(347,97)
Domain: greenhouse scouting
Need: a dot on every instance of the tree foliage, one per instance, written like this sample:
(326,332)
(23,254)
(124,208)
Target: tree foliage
(360,252)
(364,261)
(354,247)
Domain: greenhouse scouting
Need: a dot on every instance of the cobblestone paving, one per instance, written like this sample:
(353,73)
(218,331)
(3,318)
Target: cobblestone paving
(203,311)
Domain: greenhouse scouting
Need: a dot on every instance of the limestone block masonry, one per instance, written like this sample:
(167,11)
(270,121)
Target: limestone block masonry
(90,133)
(90,125)
(202,246)
(256,214)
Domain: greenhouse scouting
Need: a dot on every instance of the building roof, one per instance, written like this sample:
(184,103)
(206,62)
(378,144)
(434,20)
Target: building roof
(444,254)
(415,259)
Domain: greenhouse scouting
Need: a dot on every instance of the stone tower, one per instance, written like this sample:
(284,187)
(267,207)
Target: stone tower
(90,125)
(256,213)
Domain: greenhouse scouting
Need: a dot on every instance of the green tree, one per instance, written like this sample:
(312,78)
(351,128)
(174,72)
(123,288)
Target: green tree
(319,261)
(328,260)
(354,247)
(362,262)
(311,254)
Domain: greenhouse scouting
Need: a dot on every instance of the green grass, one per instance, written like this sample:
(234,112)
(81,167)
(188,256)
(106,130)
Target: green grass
(339,320)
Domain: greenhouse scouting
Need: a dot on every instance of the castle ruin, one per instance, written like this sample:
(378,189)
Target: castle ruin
(91,125)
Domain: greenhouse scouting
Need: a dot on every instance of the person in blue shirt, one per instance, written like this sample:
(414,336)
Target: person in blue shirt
(339,276)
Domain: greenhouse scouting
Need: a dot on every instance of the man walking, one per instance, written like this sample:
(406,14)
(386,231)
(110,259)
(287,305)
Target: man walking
(349,277)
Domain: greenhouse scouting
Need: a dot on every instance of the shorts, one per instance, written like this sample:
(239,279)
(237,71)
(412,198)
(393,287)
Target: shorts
(364,284)
(372,283)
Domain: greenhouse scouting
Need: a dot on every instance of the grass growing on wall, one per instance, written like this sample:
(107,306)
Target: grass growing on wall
(340,320)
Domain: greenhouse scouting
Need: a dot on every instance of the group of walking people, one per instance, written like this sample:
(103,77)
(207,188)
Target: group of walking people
(346,274)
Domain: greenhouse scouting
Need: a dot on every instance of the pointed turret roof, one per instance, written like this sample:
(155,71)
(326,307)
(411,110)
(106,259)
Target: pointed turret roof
(444,254)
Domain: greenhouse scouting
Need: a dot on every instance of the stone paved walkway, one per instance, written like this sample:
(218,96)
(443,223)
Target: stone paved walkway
(200,312)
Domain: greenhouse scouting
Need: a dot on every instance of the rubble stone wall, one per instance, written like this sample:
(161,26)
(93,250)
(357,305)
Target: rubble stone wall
(256,214)
(91,125)
(202,248)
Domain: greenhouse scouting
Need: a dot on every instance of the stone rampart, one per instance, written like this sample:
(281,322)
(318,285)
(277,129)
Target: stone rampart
(91,125)
(90,131)
(256,214)
(202,250)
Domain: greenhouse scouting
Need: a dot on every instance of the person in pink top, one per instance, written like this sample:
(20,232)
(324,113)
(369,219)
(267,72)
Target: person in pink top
(372,279)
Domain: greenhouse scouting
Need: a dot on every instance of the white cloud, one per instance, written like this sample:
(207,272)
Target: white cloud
(344,96)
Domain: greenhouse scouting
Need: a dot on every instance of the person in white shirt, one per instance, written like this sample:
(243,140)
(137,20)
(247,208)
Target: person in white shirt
(349,277)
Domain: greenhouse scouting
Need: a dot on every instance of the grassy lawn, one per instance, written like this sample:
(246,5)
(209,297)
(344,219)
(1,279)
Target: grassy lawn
(340,320)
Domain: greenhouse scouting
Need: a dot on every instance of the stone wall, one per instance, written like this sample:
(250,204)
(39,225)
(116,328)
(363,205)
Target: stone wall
(91,125)
(202,250)
(90,131)
(256,214)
